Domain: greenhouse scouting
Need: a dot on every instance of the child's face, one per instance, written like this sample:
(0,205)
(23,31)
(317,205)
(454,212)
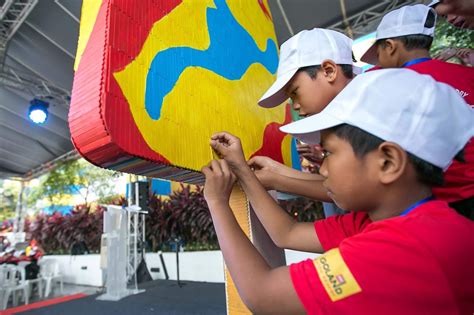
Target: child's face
(350,180)
(309,96)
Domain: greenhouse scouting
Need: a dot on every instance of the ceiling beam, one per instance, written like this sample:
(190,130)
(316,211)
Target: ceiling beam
(44,136)
(18,158)
(364,21)
(12,14)
(62,6)
(37,87)
(25,140)
(52,41)
(54,126)
(16,167)
(6,172)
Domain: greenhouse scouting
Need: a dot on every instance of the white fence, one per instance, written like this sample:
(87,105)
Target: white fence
(204,266)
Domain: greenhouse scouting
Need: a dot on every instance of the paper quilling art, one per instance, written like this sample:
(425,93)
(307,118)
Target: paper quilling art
(154,81)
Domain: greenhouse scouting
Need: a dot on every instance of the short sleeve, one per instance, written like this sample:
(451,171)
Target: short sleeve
(333,230)
(374,272)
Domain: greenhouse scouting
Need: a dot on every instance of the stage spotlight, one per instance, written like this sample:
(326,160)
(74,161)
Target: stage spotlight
(38,112)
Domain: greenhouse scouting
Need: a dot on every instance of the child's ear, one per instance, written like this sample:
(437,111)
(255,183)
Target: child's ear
(329,70)
(391,46)
(393,161)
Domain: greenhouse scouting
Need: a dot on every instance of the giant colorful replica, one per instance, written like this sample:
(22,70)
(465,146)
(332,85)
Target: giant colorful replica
(156,78)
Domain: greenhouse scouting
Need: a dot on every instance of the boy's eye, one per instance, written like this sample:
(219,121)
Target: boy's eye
(325,154)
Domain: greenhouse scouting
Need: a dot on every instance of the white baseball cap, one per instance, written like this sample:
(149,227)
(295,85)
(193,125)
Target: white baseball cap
(429,119)
(408,20)
(307,48)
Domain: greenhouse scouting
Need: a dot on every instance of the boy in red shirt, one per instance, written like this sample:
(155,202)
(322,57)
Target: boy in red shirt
(314,66)
(400,251)
(404,37)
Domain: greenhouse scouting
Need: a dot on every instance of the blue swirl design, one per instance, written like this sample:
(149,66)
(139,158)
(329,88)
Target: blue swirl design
(231,52)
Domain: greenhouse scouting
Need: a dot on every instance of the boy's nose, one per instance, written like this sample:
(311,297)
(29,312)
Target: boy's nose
(323,171)
(296,105)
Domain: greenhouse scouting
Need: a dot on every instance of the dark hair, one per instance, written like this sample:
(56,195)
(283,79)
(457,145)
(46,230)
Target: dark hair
(416,41)
(312,71)
(363,142)
(410,42)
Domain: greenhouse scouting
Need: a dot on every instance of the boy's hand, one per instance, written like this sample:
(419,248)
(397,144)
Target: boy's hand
(219,181)
(264,163)
(312,153)
(230,149)
(265,169)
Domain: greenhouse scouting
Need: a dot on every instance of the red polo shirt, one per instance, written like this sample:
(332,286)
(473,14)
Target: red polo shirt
(420,263)
(459,178)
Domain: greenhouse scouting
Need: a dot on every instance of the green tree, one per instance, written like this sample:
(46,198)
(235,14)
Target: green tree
(76,177)
(447,35)
(9,191)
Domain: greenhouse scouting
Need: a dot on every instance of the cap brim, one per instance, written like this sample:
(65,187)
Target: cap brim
(275,95)
(370,56)
(308,129)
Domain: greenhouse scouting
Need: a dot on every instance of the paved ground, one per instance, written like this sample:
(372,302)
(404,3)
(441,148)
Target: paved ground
(160,297)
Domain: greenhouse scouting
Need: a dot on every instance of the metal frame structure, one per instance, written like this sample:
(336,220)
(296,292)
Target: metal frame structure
(364,22)
(19,223)
(36,61)
(12,14)
(14,78)
(135,235)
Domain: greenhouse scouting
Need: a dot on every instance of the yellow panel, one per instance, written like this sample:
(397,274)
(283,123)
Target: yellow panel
(90,9)
(240,207)
(286,149)
(250,15)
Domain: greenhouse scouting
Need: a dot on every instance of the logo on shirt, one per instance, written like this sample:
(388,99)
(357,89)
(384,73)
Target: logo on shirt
(335,276)
(463,93)
(340,279)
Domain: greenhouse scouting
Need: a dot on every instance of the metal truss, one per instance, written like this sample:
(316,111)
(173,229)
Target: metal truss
(12,14)
(363,22)
(33,85)
(20,213)
(136,240)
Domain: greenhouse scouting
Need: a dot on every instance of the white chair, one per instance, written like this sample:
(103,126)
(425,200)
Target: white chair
(49,272)
(4,282)
(32,282)
(13,280)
